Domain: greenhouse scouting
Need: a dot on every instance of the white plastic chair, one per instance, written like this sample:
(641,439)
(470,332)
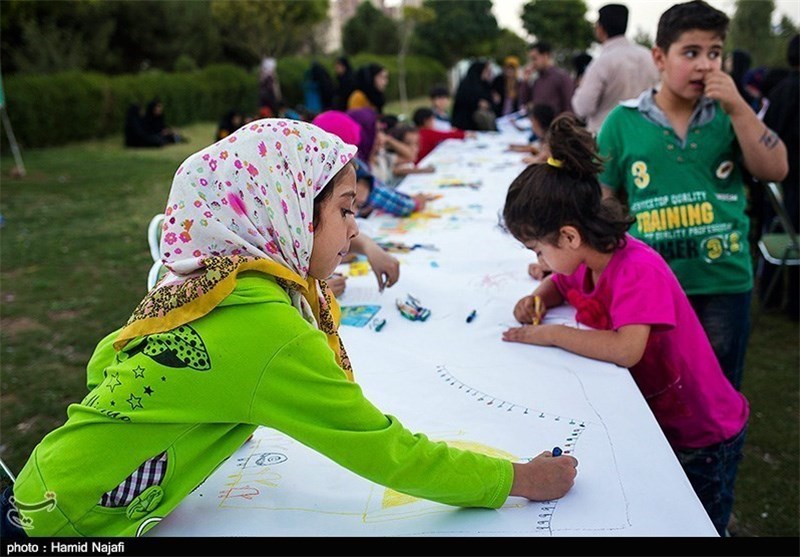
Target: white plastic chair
(157,270)
(154,236)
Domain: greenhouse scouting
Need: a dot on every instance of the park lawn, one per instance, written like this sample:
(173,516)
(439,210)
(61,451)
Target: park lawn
(73,264)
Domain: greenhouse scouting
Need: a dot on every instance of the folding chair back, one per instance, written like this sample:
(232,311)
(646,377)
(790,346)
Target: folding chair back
(779,246)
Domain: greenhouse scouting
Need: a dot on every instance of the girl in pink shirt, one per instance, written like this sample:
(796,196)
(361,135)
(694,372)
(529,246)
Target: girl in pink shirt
(640,318)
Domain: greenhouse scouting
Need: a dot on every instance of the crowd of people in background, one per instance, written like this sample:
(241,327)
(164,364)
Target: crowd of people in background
(534,92)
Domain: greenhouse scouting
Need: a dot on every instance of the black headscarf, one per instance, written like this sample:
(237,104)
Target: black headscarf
(229,123)
(323,79)
(154,123)
(470,91)
(346,84)
(365,82)
(135,133)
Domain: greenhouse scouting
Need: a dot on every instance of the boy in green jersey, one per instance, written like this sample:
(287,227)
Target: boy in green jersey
(675,154)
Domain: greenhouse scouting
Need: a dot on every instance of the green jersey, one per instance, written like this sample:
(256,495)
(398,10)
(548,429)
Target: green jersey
(688,197)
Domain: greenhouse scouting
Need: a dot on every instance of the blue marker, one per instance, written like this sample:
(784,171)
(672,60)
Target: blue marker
(557,451)
(472,315)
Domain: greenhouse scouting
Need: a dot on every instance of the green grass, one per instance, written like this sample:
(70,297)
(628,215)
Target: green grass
(74,261)
(396,108)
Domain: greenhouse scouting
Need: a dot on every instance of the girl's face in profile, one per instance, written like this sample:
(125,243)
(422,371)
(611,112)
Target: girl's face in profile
(561,257)
(336,227)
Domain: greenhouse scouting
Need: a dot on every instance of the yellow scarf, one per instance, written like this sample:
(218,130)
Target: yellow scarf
(170,306)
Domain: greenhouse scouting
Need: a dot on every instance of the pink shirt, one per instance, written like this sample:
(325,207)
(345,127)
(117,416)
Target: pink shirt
(679,375)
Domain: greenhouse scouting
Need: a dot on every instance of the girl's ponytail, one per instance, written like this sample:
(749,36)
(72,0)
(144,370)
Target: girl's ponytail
(573,149)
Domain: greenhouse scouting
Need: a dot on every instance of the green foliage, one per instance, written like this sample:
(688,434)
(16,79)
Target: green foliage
(751,29)
(73,106)
(185,63)
(643,38)
(508,43)
(155,33)
(47,110)
(369,30)
(46,38)
(276,28)
(111,37)
(460,30)
(562,24)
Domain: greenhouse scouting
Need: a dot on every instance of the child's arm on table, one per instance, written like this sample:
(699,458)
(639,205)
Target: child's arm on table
(305,394)
(624,346)
(763,151)
(405,168)
(384,265)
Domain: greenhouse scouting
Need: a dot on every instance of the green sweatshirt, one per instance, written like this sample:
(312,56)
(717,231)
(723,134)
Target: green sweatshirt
(198,392)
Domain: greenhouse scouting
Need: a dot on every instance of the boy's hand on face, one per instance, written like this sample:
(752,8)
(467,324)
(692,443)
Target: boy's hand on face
(720,86)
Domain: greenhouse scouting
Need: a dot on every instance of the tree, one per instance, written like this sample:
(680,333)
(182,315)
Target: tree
(562,24)
(370,30)
(412,17)
(460,30)
(259,29)
(156,33)
(509,43)
(751,30)
(47,37)
(111,37)
(643,38)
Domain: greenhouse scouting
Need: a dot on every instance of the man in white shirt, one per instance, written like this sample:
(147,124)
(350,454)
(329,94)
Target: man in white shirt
(621,71)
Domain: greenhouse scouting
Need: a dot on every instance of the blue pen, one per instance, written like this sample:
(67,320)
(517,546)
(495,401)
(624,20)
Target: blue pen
(557,451)
(472,315)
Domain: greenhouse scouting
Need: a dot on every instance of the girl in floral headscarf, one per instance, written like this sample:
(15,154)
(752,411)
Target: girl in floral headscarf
(242,332)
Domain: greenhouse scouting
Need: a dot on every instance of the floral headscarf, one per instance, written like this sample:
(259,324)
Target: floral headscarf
(245,203)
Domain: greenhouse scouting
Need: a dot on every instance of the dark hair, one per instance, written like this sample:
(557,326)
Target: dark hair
(365,82)
(388,122)
(544,198)
(613,18)
(400,130)
(542,47)
(688,16)
(420,115)
(580,62)
(327,191)
(793,51)
(544,114)
(344,62)
(438,91)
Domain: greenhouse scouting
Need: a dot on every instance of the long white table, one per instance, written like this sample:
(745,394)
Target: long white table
(457,381)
